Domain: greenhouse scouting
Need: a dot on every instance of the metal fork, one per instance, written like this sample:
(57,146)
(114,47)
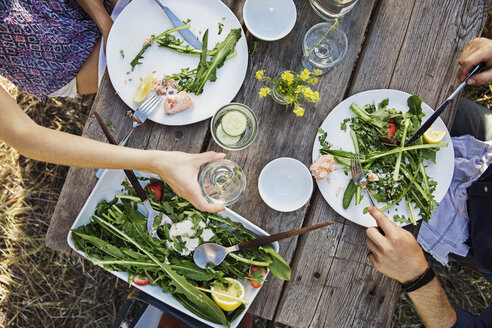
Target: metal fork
(140,115)
(358,175)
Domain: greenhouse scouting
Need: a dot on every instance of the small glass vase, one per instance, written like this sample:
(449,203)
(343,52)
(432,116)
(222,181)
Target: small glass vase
(275,94)
(278,98)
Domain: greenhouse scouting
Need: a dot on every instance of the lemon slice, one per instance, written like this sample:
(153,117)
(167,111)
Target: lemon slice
(143,89)
(236,289)
(433,137)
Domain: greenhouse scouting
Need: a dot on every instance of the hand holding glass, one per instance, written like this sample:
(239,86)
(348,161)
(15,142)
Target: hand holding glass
(222,182)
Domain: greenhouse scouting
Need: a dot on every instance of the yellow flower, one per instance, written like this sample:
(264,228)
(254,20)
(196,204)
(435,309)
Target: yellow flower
(299,111)
(260,74)
(264,92)
(314,81)
(290,100)
(305,74)
(318,72)
(299,89)
(310,95)
(288,77)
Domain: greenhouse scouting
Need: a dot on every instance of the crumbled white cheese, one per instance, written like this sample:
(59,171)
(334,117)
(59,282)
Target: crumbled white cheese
(207,234)
(185,229)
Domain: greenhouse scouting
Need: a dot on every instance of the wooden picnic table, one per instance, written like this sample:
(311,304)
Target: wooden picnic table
(409,45)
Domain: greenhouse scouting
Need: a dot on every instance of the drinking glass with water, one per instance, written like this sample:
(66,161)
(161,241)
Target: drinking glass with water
(325,44)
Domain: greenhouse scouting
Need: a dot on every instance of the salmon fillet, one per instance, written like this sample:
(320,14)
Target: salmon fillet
(178,103)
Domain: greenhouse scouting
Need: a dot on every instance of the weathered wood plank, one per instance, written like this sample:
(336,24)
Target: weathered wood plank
(419,54)
(80,182)
(341,289)
(282,133)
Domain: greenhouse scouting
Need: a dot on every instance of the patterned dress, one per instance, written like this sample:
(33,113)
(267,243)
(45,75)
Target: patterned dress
(43,44)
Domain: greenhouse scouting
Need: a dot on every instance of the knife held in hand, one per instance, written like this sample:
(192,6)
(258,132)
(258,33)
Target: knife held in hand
(438,112)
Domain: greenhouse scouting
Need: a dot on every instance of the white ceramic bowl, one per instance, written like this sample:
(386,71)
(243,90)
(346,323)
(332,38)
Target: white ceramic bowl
(285,184)
(269,20)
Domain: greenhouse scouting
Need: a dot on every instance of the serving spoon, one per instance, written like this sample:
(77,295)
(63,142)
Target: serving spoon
(215,253)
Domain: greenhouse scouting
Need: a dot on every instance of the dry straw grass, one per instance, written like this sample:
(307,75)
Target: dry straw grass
(38,286)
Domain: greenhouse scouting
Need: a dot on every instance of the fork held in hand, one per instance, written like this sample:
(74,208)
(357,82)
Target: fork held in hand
(358,175)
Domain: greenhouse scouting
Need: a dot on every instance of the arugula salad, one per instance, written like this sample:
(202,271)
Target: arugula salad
(117,239)
(394,170)
(193,80)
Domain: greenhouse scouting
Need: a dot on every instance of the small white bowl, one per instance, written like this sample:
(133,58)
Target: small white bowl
(285,184)
(269,20)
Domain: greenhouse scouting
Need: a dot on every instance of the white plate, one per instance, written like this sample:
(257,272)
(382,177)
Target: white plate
(110,184)
(285,184)
(142,18)
(269,20)
(442,172)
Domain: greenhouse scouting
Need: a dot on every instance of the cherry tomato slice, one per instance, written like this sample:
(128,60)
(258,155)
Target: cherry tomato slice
(141,281)
(252,270)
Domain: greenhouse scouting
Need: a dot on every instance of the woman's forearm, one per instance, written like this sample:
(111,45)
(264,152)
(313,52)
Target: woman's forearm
(57,147)
(433,306)
(96,10)
(43,144)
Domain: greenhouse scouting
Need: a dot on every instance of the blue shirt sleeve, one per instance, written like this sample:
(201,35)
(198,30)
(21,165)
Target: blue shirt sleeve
(467,320)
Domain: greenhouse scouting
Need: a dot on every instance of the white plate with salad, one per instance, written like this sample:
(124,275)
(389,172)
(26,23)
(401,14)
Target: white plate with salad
(381,131)
(107,248)
(143,18)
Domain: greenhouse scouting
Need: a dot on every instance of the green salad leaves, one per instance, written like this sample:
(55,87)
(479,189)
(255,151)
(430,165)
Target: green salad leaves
(394,170)
(193,80)
(117,239)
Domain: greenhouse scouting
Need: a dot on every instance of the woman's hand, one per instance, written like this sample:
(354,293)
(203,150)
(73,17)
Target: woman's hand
(476,51)
(180,171)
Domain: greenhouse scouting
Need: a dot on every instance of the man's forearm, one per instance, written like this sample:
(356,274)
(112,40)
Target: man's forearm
(433,306)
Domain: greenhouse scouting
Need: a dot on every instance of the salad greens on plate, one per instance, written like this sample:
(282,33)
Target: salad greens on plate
(396,172)
(194,80)
(117,239)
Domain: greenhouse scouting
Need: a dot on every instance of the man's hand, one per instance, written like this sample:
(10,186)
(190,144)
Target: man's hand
(396,253)
(180,171)
(476,51)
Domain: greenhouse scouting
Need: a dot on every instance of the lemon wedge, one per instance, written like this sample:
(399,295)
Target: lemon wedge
(143,89)
(235,289)
(433,137)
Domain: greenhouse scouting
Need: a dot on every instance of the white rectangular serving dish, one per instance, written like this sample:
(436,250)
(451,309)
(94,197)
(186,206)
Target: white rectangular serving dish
(110,184)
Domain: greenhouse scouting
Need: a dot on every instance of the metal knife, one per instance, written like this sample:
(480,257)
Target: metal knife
(186,33)
(438,112)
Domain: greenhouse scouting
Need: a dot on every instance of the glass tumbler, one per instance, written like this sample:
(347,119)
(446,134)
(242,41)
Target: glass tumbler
(324,46)
(222,182)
